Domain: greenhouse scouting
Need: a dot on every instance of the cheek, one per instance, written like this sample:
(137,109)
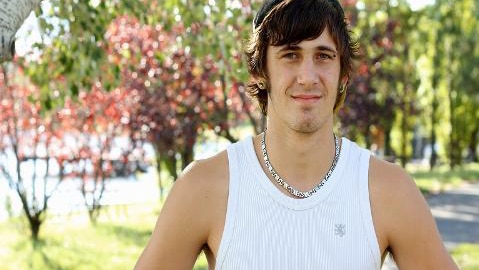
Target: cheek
(278,77)
(284,75)
(331,77)
(331,71)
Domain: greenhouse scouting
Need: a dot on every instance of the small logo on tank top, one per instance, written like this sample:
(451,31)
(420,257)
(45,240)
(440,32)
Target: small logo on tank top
(340,230)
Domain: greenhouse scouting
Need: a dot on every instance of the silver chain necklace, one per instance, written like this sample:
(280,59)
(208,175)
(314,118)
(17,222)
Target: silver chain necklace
(287,186)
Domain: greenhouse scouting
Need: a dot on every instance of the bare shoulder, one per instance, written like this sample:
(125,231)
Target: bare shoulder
(205,182)
(195,203)
(206,176)
(203,188)
(205,172)
(403,222)
(389,181)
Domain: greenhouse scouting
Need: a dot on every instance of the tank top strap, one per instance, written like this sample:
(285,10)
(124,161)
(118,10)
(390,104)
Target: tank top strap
(235,151)
(365,203)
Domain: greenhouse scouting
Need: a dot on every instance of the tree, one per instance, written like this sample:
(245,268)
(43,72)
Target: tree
(459,45)
(29,146)
(72,51)
(450,89)
(95,129)
(217,30)
(78,28)
(12,15)
(174,95)
(79,54)
(81,141)
(381,105)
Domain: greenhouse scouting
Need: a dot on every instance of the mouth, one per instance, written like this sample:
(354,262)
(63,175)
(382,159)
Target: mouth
(306,98)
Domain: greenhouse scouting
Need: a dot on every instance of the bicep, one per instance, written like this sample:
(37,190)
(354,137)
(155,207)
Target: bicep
(180,232)
(414,238)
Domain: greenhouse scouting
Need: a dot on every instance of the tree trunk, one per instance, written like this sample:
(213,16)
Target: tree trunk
(12,15)
(171,166)
(433,158)
(35,224)
(388,152)
(435,103)
(186,156)
(34,220)
(158,170)
(404,139)
(453,140)
(94,213)
(367,136)
(227,135)
(406,113)
(473,144)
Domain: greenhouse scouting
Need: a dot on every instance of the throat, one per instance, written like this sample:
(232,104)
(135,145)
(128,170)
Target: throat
(305,189)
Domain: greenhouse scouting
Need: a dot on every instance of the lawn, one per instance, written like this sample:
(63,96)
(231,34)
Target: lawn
(467,256)
(71,242)
(443,178)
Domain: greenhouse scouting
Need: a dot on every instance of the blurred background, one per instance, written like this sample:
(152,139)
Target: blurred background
(107,101)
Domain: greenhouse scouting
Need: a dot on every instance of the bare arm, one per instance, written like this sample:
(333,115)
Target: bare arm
(184,223)
(405,221)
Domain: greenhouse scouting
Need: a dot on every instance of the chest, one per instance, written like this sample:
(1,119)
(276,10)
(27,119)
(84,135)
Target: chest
(279,238)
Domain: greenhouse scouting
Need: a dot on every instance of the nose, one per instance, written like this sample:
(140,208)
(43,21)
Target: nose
(307,74)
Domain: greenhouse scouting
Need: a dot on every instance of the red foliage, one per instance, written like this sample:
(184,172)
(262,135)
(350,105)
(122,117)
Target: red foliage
(27,137)
(87,138)
(174,94)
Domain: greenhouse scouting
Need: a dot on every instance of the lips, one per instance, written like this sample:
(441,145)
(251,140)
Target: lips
(306,98)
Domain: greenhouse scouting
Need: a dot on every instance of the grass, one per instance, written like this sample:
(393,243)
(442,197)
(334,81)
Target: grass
(442,178)
(467,256)
(71,242)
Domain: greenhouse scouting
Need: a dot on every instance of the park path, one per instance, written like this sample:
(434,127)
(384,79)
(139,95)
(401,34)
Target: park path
(457,216)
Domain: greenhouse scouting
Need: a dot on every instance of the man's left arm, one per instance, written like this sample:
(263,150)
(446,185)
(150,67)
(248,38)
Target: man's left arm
(408,225)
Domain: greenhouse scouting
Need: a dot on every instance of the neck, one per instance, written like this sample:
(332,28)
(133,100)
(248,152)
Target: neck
(301,159)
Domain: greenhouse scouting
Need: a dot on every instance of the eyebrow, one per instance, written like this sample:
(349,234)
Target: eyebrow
(298,48)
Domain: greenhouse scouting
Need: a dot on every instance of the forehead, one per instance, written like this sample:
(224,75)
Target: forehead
(323,40)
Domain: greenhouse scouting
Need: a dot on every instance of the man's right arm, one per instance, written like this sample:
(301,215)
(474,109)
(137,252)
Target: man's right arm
(183,225)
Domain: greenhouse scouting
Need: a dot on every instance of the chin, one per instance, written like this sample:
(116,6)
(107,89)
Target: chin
(306,127)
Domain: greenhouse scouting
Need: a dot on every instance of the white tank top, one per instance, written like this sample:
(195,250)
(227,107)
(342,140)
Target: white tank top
(265,229)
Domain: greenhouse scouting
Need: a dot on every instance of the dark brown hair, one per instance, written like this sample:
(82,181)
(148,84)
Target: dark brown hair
(282,22)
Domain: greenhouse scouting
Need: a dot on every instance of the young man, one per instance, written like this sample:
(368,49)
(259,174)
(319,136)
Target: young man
(296,196)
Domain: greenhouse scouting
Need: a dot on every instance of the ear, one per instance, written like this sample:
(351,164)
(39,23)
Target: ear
(256,78)
(261,82)
(344,81)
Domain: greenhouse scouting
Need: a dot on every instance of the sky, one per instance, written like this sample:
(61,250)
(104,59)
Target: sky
(418,4)
(29,33)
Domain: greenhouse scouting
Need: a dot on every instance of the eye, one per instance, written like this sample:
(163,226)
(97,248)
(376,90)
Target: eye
(290,56)
(325,56)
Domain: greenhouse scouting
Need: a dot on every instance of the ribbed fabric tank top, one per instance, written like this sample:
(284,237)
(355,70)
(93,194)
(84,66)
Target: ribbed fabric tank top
(265,229)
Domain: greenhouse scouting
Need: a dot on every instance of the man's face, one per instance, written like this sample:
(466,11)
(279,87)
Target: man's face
(303,81)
